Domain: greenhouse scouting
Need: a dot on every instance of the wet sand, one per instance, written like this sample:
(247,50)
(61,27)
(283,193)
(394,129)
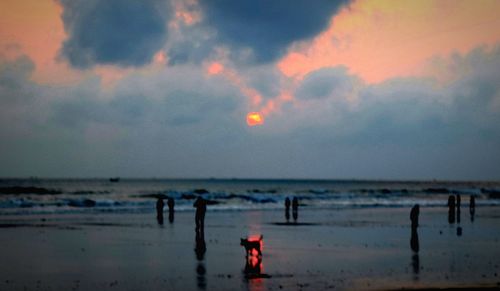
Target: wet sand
(328,249)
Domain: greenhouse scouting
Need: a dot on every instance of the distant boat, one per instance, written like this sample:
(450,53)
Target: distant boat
(117,179)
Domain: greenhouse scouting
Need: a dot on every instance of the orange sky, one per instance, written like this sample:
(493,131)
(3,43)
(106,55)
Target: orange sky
(376,40)
(383,39)
(36,28)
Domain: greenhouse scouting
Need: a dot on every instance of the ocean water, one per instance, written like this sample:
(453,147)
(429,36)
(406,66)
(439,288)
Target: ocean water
(43,196)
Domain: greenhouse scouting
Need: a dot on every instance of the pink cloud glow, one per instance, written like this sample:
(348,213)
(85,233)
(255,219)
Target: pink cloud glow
(379,40)
(254,97)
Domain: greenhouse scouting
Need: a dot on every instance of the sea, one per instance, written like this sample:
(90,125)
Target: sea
(34,196)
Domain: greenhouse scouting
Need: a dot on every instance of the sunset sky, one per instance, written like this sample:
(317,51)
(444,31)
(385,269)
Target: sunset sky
(336,89)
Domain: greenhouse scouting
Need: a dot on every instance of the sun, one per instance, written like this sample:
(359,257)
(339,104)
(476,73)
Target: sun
(254,118)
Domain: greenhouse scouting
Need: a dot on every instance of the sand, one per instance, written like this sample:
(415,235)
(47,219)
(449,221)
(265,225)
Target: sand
(337,249)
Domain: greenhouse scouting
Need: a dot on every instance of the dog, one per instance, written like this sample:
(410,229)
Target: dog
(252,245)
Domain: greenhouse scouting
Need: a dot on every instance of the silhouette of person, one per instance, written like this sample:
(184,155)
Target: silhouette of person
(414,240)
(201,208)
(170,204)
(451,209)
(295,208)
(472,207)
(159,210)
(458,208)
(414,213)
(287,209)
(415,261)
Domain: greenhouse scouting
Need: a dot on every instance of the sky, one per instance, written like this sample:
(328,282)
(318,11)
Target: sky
(250,89)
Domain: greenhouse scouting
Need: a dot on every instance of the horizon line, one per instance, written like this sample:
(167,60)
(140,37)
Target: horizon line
(373,180)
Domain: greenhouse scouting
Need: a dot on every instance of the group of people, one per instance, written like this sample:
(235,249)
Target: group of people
(201,207)
(453,211)
(455,203)
(159,209)
(295,208)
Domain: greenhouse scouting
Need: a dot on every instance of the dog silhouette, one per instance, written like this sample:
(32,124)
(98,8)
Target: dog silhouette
(252,245)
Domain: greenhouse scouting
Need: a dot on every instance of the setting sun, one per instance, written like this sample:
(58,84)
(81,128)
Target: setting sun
(254,118)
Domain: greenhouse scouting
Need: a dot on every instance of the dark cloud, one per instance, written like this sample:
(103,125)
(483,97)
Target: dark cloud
(116,32)
(267,27)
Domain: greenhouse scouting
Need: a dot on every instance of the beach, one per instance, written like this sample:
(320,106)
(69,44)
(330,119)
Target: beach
(338,249)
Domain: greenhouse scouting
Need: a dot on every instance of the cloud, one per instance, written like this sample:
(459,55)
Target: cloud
(190,44)
(403,127)
(13,75)
(166,99)
(114,32)
(145,121)
(267,28)
(407,111)
(183,123)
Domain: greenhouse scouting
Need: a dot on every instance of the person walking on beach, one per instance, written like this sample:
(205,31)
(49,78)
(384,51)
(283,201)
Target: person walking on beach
(459,228)
(472,207)
(159,210)
(451,209)
(414,213)
(415,261)
(287,209)
(170,204)
(201,208)
(295,208)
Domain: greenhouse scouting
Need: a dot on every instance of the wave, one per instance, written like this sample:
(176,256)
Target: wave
(230,202)
(82,196)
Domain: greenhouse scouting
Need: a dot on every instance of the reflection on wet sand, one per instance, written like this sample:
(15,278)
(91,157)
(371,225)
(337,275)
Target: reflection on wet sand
(200,249)
(253,271)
